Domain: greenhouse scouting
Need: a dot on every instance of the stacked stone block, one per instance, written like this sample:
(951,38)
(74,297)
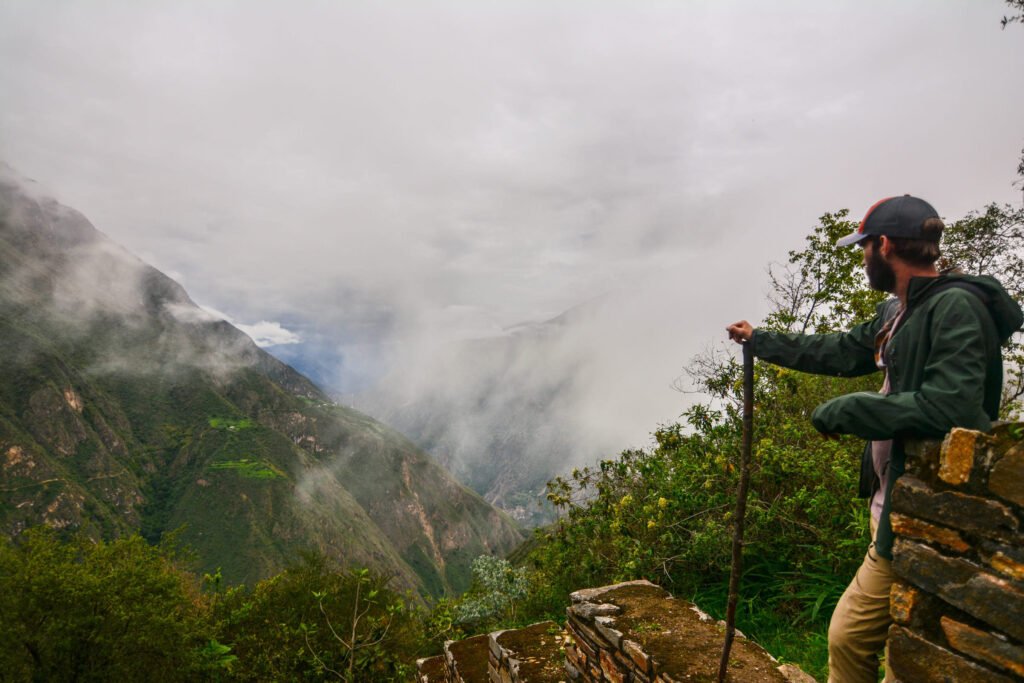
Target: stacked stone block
(598,650)
(466,661)
(431,670)
(535,654)
(958,514)
(636,632)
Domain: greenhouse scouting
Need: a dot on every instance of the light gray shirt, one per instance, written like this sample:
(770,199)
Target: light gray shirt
(881,451)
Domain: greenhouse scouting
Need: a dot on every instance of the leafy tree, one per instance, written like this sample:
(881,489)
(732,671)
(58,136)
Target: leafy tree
(821,288)
(364,632)
(498,589)
(75,609)
(88,611)
(315,621)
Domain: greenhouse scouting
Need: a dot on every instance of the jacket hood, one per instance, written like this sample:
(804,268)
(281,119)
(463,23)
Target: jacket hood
(1005,312)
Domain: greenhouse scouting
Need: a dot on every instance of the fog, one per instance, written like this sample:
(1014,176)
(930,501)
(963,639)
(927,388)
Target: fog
(73,288)
(361,187)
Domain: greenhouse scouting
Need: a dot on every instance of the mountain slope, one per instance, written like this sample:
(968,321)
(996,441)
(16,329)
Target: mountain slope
(124,406)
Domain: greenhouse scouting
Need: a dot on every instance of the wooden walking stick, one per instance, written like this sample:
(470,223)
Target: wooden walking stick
(741,508)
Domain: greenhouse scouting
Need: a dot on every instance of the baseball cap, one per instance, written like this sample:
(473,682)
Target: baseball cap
(894,217)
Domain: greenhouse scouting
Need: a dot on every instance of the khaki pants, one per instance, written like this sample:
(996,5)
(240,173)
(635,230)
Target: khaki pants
(860,624)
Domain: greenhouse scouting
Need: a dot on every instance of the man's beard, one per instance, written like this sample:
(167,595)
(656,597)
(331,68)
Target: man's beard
(880,274)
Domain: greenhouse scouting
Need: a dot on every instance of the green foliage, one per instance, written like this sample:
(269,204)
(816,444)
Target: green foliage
(250,469)
(822,288)
(74,609)
(231,424)
(81,610)
(217,657)
(313,621)
(498,590)
(441,623)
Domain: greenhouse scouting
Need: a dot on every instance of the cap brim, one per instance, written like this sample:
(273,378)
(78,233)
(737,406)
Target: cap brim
(852,238)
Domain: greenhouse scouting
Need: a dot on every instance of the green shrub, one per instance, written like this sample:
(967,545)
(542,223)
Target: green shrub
(316,621)
(497,592)
(88,611)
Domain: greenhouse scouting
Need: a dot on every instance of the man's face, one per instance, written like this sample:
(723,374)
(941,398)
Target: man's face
(880,274)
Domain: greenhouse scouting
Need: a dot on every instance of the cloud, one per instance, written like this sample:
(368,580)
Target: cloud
(384,180)
(266,334)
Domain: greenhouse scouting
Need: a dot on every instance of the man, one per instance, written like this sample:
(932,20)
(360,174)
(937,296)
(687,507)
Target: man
(938,342)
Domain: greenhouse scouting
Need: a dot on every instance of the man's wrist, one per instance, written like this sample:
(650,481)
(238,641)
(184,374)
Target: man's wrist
(753,340)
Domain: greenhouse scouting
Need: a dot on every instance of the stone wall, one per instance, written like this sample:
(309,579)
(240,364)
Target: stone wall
(958,604)
(636,632)
(533,654)
(465,661)
(633,632)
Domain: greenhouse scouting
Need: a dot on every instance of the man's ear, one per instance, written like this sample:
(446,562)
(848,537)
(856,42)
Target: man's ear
(884,246)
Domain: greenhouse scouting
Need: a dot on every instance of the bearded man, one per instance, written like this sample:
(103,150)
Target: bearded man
(937,341)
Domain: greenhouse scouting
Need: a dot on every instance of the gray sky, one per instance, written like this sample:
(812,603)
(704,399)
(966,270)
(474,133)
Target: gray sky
(385,177)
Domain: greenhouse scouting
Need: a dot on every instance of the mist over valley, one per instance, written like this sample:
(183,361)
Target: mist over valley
(125,408)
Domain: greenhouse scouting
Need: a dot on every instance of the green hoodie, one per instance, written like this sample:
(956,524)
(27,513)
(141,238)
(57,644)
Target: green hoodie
(944,361)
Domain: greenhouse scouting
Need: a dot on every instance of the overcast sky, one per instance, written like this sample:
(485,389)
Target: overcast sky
(373,175)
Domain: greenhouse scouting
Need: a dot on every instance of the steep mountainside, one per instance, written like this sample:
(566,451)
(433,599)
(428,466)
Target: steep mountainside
(124,406)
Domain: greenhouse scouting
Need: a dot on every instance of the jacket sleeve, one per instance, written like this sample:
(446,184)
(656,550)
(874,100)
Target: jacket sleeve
(841,354)
(951,393)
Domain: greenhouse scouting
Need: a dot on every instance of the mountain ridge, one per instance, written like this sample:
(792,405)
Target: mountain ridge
(125,407)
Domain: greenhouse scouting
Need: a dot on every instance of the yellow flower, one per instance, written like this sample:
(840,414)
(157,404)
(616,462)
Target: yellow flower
(651,524)
(663,503)
(626,500)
